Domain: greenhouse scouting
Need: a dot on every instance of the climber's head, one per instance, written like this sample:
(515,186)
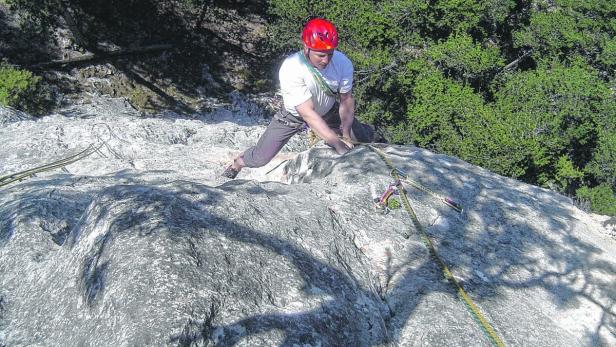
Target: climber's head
(320,39)
(320,35)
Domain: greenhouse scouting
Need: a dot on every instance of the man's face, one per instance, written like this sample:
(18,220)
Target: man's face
(319,59)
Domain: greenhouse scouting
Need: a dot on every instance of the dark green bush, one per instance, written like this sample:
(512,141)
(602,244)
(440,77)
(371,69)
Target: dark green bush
(565,29)
(601,198)
(465,59)
(22,90)
(554,111)
(449,117)
(602,167)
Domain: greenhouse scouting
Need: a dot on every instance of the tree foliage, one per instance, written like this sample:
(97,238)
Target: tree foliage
(567,28)
(555,109)
(601,198)
(22,90)
(465,60)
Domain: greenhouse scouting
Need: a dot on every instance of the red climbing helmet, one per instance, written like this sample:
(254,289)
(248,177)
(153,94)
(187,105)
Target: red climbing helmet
(320,34)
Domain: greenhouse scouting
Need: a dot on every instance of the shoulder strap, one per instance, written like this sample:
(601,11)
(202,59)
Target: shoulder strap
(317,76)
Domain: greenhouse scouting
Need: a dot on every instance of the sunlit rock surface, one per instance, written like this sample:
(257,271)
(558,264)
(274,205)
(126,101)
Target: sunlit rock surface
(143,243)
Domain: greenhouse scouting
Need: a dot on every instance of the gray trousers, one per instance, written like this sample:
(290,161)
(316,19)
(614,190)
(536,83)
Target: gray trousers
(284,125)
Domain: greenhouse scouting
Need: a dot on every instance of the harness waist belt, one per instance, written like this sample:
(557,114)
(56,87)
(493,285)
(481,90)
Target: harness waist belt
(287,118)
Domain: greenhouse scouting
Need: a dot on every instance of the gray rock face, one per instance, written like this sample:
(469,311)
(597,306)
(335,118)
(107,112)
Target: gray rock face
(10,115)
(142,243)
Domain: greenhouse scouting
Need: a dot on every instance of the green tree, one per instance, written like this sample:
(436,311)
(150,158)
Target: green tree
(607,57)
(602,166)
(464,59)
(449,117)
(565,29)
(22,90)
(555,111)
(601,198)
(455,16)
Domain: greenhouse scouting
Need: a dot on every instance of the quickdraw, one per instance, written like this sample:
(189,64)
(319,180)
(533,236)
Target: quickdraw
(474,311)
(447,200)
(381,204)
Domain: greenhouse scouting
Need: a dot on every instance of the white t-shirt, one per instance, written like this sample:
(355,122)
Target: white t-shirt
(297,84)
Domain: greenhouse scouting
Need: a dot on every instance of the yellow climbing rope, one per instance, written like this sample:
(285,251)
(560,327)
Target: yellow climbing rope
(10,178)
(486,327)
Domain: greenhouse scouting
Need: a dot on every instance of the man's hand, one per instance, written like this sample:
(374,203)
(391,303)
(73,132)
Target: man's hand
(341,147)
(347,141)
(318,125)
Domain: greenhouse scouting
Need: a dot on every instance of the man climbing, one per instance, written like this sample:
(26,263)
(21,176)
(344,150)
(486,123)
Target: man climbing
(316,85)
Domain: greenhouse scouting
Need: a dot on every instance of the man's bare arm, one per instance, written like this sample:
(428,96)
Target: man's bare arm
(347,113)
(318,125)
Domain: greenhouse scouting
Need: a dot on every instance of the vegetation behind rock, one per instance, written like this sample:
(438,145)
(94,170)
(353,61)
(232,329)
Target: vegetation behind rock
(22,90)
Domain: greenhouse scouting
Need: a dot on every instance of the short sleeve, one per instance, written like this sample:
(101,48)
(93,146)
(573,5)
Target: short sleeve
(293,85)
(346,82)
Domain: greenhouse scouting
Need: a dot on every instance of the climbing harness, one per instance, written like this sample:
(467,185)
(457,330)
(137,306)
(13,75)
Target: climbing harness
(399,176)
(285,117)
(403,176)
